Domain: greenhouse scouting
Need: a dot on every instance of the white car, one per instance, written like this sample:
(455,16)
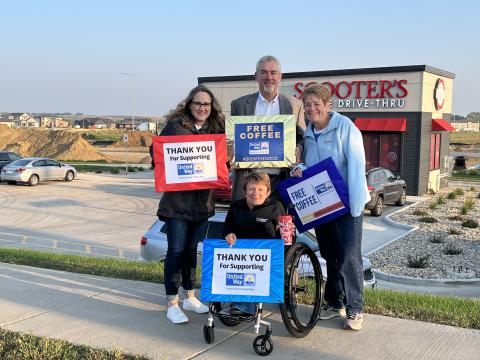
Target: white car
(153,245)
(34,170)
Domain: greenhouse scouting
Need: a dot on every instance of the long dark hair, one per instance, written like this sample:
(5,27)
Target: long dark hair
(216,120)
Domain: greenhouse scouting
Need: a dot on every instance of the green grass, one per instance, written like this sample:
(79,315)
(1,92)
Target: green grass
(438,309)
(108,267)
(446,310)
(463,137)
(464,175)
(16,346)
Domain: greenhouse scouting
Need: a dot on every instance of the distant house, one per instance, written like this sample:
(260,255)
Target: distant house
(129,124)
(53,122)
(104,123)
(6,120)
(21,119)
(147,126)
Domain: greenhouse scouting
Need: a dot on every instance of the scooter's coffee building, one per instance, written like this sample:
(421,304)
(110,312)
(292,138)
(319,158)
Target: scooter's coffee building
(403,113)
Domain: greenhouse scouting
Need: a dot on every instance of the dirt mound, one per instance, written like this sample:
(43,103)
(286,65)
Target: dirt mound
(61,144)
(135,139)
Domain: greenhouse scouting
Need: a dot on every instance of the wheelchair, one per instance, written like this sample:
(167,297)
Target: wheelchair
(301,306)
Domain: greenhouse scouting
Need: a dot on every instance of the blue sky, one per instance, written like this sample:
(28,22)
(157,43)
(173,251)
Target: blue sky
(67,56)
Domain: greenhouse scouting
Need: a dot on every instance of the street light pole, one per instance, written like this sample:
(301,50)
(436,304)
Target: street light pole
(133,98)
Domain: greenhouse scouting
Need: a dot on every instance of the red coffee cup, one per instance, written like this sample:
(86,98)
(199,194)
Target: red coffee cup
(287,228)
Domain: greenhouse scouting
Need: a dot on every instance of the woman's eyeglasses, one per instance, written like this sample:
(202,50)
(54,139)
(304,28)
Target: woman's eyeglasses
(200,104)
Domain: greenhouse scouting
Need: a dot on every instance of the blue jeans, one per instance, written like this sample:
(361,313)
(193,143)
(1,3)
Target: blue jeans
(181,259)
(340,243)
(248,307)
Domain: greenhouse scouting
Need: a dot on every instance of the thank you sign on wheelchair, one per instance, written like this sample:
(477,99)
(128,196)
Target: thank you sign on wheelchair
(250,271)
(319,196)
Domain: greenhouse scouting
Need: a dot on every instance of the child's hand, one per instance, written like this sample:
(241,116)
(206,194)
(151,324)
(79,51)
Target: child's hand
(231,238)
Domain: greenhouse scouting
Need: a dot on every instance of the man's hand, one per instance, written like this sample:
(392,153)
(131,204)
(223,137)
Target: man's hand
(231,238)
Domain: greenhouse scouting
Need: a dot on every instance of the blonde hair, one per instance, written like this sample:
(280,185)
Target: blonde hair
(318,90)
(257,178)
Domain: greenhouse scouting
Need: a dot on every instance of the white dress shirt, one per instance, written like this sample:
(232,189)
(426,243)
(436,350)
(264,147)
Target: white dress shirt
(265,107)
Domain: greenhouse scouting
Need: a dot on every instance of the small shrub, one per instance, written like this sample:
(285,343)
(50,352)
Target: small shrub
(436,239)
(115,170)
(431,191)
(428,219)
(132,169)
(452,195)
(455,218)
(453,231)
(472,189)
(433,205)
(419,213)
(472,224)
(140,168)
(441,200)
(467,206)
(451,249)
(459,191)
(473,173)
(98,171)
(418,262)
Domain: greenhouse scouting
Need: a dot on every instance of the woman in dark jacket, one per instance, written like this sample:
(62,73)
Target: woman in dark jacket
(186,213)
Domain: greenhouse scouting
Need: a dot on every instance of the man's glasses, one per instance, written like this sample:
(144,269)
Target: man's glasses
(200,104)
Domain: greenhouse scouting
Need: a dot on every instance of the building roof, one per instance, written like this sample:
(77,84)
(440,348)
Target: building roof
(325,73)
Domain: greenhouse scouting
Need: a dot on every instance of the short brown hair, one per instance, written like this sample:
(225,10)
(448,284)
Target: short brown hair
(318,90)
(257,178)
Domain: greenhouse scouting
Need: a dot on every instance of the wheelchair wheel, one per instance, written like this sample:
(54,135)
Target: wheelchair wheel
(208,334)
(303,290)
(263,345)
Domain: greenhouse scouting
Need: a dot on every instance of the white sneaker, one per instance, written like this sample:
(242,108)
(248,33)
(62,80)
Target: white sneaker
(175,315)
(192,304)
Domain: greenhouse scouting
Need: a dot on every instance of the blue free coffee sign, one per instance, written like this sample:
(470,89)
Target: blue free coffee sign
(259,142)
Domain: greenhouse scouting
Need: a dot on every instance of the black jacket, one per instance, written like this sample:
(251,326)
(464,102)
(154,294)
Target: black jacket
(193,205)
(257,223)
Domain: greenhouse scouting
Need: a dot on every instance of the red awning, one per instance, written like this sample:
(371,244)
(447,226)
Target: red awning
(381,124)
(441,125)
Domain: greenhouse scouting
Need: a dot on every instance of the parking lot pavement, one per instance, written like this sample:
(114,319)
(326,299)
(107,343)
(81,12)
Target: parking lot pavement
(130,315)
(93,215)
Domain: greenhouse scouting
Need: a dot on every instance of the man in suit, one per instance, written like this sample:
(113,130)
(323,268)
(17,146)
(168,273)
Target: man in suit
(267,101)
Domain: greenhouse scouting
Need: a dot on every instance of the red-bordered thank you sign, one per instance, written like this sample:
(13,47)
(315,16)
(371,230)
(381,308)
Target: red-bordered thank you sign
(190,162)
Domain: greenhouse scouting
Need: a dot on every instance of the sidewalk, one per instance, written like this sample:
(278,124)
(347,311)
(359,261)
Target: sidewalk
(130,315)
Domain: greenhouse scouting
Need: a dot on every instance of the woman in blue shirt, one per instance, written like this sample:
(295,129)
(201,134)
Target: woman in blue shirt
(330,134)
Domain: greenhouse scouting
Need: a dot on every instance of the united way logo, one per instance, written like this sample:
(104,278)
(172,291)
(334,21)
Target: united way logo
(250,279)
(234,279)
(190,169)
(259,148)
(322,188)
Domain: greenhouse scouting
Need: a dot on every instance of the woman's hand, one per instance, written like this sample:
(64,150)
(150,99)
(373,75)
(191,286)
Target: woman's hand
(231,238)
(296,173)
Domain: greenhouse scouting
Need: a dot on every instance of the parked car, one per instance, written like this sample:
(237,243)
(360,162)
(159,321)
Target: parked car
(7,157)
(385,188)
(153,245)
(34,170)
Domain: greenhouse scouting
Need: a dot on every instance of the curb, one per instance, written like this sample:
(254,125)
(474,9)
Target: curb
(407,280)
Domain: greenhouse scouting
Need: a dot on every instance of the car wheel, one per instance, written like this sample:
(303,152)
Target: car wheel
(33,181)
(11,182)
(402,199)
(378,208)
(69,176)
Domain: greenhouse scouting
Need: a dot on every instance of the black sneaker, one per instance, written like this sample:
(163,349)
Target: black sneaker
(328,313)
